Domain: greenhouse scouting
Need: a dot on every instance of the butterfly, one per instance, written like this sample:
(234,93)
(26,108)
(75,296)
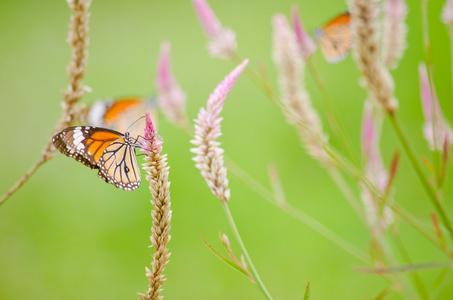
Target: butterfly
(110,151)
(118,114)
(334,38)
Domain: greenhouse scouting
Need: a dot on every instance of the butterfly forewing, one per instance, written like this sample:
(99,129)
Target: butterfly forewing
(107,150)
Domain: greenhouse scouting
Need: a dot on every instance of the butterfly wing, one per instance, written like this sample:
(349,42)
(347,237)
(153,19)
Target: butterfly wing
(122,114)
(99,148)
(118,165)
(335,38)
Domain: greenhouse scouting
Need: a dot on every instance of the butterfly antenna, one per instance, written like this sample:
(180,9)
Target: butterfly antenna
(134,123)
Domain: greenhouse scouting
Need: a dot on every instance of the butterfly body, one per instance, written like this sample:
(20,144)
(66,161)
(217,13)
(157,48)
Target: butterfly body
(110,151)
(335,38)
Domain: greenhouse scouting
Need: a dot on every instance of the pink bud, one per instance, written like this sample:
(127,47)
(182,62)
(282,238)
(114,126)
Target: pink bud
(435,130)
(171,98)
(150,143)
(306,44)
(222,42)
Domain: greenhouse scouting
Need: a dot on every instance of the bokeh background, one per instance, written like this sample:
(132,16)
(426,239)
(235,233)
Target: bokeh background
(68,235)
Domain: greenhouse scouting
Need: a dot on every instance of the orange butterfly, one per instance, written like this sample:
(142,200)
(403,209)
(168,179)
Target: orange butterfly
(334,38)
(119,114)
(112,152)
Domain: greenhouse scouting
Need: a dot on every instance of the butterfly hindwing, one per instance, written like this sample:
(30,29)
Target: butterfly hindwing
(107,150)
(335,38)
(118,165)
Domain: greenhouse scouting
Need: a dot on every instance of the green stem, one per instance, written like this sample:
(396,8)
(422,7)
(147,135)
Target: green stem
(347,193)
(410,219)
(332,115)
(450,31)
(417,281)
(431,193)
(327,233)
(24,178)
(244,250)
(295,213)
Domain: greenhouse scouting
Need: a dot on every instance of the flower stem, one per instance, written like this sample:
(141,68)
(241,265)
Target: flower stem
(450,32)
(336,176)
(333,116)
(244,250)
(24,178)
(431,193)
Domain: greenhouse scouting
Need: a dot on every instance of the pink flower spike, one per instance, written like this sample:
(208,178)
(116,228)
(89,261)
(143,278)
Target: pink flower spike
(222,42)
(211,25)
(378,218)
(170,97)
(306,44)
(151,143)
(395,32)
(425,92)
(209,156)
(435,129)
(447,13)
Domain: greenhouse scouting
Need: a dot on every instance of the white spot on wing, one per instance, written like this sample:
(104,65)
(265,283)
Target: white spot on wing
(78,141)
(80,146)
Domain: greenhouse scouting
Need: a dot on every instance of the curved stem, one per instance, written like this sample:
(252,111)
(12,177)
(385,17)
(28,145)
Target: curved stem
(431,193)
(24,178)
(244,250)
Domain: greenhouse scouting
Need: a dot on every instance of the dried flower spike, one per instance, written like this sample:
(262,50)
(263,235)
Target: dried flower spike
(365,31)
(156,167)
(295,98)
(306,45)
(435,129)
(222,42)
(209,157)
(395,30)
(379,215)
(170,97)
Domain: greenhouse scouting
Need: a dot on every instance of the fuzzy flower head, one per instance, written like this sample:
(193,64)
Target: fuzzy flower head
(209,157)
(222,42)
(447,13)
(171,98)
(306,45)
(435,130)
(395,31)
(294,96)
(378,215)
(365,31)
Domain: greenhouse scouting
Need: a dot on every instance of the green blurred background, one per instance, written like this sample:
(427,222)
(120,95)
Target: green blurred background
(68,235)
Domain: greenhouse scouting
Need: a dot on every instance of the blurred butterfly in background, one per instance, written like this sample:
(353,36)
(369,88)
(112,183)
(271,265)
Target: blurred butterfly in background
(119,114)
(107,149)
(334,38)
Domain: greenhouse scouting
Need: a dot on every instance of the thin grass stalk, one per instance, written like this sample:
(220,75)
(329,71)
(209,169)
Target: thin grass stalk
(450,33)
(78,39)
(406,216)
(338,179)
(432,195)
(335,123)
(420,287)
(250,264)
